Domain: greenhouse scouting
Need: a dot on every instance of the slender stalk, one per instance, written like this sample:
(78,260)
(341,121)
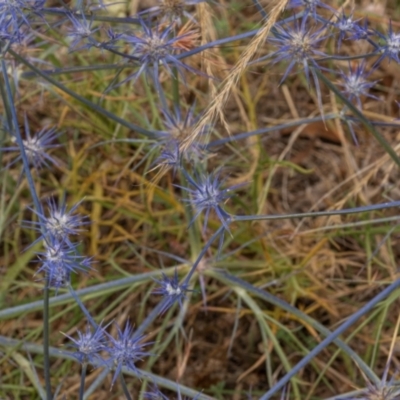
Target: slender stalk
(46,337)
(329,339)
(46,294)
(261,131)
(155,312)
(96,383)
(234,38)
(83,378)
(6,106)
(216,43)
(348,58)
(314,214)
(81,305)
(124,387)
(238,218)
(175,86)
(260,9)
(245,135)
(158,87)
(202,253)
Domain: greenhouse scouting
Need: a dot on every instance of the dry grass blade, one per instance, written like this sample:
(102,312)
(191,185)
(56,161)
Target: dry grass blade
(216,106)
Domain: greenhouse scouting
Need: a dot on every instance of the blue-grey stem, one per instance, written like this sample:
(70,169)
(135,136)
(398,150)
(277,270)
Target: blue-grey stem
(328,340)
(155,312)
(124,387)
(261,131)
(96,383)
(175,87)
(82,307)
(83,379)
(260,9)
(347,58)
(6,107)
(355,210)
(157,85)
(231,39)
(46,294)
(202,253)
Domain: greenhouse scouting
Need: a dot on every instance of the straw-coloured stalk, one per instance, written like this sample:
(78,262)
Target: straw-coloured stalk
(219,101)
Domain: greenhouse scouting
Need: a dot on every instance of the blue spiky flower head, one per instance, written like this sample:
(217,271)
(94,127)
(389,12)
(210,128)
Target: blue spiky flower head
(178,128)
(346,26)
(125,350)
(356,84)
(89,344)
(155,46)
(172,290)
(207,194)
(9,32)
(60,223)
(390,46)
(81,31)
(299,46)
(37,147)
(59,259)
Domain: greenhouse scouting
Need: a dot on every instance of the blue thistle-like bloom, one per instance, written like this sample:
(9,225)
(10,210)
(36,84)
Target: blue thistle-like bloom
(17,8)
(178,129)
(362,32)
(81,30)
(156,46)
(15,13)
(172,290)
(382,390)
(60,223)
(59,260)
(346,26)
(355,83)
(298,46)
(9,32)
(89,345)
(30,8)
(36,147)
(207,195)
(125,350)
(11,12)
(390,47)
